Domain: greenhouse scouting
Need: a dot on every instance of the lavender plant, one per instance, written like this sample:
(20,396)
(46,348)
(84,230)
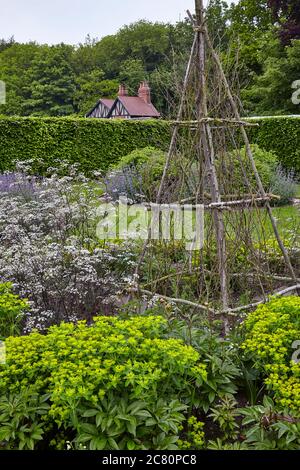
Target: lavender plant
(283,183)
(138,176)
(50,252)
(18,183)
(124,182)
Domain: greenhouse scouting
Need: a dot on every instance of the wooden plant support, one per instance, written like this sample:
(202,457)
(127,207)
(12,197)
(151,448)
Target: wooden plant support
(212,200)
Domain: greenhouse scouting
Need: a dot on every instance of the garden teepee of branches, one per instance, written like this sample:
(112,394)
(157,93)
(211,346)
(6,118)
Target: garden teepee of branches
(210,146)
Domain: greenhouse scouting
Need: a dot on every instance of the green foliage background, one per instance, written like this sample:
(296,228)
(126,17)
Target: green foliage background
(63,79)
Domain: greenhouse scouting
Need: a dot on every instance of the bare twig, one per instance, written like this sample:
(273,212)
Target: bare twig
(256,304)
(205,308)
(221,121)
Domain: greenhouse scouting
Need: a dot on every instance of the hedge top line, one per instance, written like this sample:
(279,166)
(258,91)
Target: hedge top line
(80,119)
(117,121)
(288,116)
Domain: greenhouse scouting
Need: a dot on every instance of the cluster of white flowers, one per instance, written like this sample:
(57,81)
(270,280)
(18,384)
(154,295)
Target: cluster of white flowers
(50,252)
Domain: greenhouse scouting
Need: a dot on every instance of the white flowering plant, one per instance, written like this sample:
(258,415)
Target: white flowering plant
(49,248)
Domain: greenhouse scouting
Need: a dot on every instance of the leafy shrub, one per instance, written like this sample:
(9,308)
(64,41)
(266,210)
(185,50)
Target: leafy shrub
(12,310)
(143,156)
(130,424)
(271,331)
(195,436)
(267,429)
(225,413)
(266,164)
(258,427)
(139,173)
(115,384)
(20,420)
(270,252)
(219,357)
(129,177)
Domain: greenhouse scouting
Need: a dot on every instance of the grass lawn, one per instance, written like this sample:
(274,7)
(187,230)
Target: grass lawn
(288,219)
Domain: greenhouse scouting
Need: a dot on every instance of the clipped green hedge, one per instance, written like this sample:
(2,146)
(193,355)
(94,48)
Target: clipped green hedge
(281,135)
(98,143)
(94,143)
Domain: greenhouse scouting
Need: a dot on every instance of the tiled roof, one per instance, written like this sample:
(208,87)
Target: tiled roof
(137,107)
(107,102)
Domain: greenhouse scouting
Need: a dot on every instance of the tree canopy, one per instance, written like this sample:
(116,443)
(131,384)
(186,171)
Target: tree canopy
(258,39)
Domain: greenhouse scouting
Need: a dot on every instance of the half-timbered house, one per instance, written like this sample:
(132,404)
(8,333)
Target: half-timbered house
(101,109)
(126,107)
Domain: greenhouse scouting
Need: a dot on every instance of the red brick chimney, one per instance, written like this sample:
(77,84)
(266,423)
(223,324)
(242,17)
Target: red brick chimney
(145,92)
(122,90)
